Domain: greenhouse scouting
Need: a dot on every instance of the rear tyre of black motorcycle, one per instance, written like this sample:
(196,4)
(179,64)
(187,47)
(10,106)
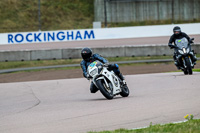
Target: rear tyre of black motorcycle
(189,67)
(101,85)
(125,91)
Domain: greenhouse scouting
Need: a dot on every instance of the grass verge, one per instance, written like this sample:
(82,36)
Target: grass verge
(191,126)
(48,69)
(18,64)
(27,64)
(196,70)
(23,64)
(22,15)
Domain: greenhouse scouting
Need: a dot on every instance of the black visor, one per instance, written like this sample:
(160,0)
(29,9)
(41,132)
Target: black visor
(86,56)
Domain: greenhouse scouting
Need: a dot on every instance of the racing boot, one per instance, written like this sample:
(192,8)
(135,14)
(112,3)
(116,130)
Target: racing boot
(122,82)
(176,62)
(194,57)
(177,65)
(93,88)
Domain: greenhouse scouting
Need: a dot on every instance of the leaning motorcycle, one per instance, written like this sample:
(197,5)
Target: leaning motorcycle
(184,55)
(106,81)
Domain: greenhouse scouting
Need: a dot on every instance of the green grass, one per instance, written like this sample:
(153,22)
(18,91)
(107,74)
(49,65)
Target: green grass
(26,64)
(196,70)
(47,70)
(138,58)
(22,15)
(22,64)
(191,126)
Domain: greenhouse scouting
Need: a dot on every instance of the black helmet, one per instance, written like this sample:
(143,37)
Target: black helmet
(86,54)
(177,30)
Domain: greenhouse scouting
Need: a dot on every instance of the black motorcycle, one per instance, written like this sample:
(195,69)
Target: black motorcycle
(184,55)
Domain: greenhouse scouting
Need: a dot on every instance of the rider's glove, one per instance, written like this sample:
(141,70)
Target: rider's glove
(170,45)
(88,77)
(107,64)
(191,40)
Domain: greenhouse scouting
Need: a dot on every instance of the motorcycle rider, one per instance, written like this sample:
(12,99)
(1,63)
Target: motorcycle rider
(178,35)
(88,58)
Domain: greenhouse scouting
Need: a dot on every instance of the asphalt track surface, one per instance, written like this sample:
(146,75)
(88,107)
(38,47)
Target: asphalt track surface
(92,43)
(67,106)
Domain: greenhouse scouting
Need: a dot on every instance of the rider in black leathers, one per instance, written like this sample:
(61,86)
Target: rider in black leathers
(88,58)
(178,35)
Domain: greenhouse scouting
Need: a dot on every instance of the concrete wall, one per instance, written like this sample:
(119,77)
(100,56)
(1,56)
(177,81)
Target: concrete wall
(123,51)
(71,53)
(15,55)
(46,54)
(149,10)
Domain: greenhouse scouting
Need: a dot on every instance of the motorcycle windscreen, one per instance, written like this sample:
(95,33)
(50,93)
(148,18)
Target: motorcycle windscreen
(94,68)
(95,63)
(183,42)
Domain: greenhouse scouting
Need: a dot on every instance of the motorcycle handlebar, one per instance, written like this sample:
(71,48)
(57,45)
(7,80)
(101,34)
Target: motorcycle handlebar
(106,64)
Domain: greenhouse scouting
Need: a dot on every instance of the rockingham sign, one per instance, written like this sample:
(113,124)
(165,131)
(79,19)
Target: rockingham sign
(95,34)
(48,36)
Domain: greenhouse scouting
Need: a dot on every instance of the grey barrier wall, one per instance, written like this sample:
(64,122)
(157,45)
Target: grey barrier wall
(15,55)
(146,10)
(71,53)
(46,54)
(122,51)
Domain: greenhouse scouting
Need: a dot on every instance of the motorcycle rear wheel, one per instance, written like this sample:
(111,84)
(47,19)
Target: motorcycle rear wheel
(125,91)
(104,90)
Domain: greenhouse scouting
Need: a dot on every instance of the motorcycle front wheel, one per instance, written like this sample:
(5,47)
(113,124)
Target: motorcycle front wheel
(107,92)
(185,72)
(189,67)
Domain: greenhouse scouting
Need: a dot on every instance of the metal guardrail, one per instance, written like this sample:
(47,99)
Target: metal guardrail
(77,65)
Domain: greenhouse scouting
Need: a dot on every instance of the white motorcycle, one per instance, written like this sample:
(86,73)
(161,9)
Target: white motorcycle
(106,81)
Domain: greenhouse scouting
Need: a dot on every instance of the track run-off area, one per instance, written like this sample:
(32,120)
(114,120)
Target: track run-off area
(67,106)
